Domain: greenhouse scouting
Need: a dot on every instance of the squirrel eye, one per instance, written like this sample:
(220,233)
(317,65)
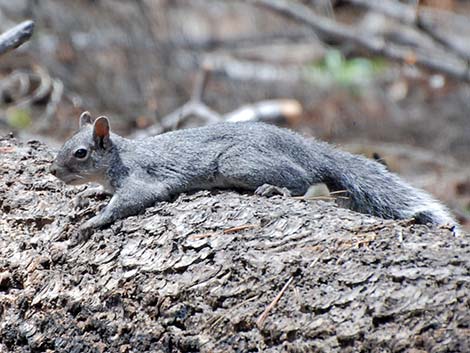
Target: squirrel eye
(80,153)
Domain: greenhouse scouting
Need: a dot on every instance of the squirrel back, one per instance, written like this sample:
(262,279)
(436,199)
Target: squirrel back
(244,155)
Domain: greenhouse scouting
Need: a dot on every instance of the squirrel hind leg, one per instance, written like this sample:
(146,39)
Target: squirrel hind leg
(266,176)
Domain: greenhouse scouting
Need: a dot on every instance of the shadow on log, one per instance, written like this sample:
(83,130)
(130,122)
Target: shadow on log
(220,272)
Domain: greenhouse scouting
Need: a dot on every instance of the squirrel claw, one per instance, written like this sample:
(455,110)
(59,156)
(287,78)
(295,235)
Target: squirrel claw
(271,190)
(84,233)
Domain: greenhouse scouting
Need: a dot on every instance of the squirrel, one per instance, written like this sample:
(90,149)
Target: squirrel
(250,156)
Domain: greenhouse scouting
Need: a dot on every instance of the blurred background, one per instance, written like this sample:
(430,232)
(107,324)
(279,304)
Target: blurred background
(388,79)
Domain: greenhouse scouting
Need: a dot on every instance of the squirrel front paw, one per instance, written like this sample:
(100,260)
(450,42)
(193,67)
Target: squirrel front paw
(84,233)
(88,228)
(92,223)
(81,199)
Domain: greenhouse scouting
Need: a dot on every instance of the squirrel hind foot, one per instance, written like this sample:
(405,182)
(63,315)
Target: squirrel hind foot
(424,217)
(268,190)
(427,217)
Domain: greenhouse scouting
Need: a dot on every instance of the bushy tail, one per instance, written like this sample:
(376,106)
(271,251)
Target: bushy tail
(372,189)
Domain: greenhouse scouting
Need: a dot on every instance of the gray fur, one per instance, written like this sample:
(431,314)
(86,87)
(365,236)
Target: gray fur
(244,156)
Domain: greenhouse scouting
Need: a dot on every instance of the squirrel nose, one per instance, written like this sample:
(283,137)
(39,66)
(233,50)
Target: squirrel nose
(53,169)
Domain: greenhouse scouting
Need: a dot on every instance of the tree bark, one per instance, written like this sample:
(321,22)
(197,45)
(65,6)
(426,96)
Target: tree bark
(219,272)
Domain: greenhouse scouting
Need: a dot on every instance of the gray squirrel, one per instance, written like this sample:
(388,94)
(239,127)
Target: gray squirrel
(249,156)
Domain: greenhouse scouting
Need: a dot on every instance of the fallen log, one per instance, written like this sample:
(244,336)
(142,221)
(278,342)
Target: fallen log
(219,272)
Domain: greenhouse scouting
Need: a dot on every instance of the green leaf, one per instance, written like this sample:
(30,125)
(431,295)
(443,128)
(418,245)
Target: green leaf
(18,118)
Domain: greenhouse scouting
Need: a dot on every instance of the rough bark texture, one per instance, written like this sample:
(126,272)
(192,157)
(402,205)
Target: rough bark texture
(195,275)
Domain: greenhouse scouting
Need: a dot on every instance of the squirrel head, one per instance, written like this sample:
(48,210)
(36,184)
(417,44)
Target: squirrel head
(86,155)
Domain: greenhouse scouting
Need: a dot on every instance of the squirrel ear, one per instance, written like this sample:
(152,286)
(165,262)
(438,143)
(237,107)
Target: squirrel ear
(101,132)
(85,119)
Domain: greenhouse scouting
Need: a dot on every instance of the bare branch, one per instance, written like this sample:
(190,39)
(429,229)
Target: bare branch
(421,17)
(148,25)
(200,84)
(426,22)
(274,111)
(327,29)
(16,36)
(175,119)
(331,31)
(239,41)
(195,106)
(394,9)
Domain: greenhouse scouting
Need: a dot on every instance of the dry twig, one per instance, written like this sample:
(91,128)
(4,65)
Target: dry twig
(266,311)
(239,228)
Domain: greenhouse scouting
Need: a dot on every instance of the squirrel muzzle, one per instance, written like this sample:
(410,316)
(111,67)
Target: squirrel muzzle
(53,169)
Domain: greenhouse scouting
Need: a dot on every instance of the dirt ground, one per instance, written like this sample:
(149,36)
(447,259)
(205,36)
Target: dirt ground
(219,272)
